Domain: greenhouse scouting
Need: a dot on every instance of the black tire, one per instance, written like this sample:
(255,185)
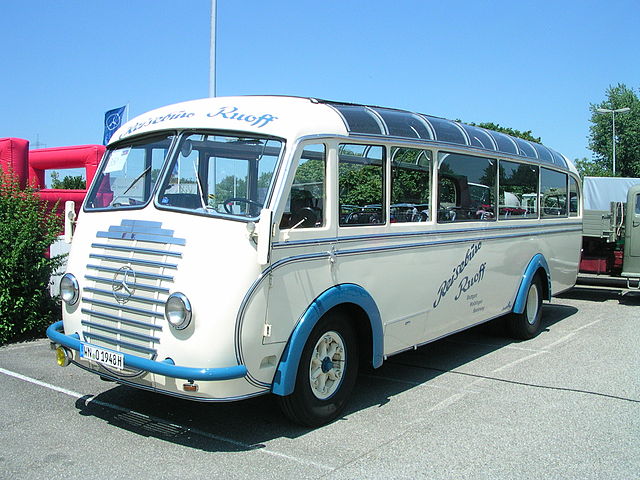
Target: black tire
(527,324)
(308,405)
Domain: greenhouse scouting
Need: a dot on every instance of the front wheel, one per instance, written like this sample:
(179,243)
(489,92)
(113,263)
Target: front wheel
(326,374)
(527,324)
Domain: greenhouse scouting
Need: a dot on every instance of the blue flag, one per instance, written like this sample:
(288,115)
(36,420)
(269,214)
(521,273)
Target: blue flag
(112,121)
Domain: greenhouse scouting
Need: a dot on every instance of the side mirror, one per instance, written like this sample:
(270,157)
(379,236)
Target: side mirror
(264,235)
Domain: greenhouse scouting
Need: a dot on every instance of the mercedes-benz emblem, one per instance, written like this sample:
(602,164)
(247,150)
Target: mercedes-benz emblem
(113,121)
(124,282)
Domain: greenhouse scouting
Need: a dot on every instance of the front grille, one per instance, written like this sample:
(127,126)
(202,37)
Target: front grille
(129,277)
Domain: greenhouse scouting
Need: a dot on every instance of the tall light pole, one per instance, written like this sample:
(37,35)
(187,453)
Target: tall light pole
(212,50)
(613,117)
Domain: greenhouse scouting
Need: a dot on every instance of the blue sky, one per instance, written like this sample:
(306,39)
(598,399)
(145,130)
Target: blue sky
(529,65)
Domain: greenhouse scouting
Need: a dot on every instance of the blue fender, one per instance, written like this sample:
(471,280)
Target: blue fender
(538,261)
(285,378)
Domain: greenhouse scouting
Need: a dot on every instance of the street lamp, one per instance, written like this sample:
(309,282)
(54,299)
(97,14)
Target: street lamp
(613,117)
(212,49)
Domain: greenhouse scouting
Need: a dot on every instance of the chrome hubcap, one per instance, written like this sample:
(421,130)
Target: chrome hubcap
(532,304)
(327,365)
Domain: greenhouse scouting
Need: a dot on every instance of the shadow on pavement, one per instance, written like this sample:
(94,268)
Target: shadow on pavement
(246,425)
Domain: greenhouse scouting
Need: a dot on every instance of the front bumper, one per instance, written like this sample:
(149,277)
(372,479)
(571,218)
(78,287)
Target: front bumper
(164,367)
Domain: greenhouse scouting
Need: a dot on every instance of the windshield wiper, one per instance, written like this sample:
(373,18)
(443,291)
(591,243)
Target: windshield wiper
(131,185)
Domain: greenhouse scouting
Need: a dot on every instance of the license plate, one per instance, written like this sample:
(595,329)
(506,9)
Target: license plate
(103,356)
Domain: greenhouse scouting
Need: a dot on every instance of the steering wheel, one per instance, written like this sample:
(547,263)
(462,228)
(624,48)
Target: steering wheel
(306,215)
(227,203)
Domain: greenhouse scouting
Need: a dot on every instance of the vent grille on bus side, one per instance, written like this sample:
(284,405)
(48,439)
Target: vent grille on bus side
(129,277)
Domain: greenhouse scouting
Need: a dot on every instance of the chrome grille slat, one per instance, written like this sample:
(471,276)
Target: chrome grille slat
(137,286)
(115,318)
(142,237)
(147,275)
(126,248)
(120,331)
(132,298)
(124,308)
(136,261)
(120,343)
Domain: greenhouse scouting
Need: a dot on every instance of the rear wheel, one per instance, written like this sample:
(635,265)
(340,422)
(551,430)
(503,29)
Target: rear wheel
(527,324)
(326,374)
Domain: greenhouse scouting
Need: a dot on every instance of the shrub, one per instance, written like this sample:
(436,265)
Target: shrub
(27,230)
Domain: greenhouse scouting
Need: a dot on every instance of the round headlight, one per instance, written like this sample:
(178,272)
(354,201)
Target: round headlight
(69,289)
(177,311)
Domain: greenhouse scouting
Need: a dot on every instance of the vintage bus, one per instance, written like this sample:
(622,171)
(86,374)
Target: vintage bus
(241,246)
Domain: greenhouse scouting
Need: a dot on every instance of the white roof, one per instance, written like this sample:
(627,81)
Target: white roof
(277,116)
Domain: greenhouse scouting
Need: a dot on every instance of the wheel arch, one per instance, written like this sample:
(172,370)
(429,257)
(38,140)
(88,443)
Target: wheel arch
(537,266)
(361,309)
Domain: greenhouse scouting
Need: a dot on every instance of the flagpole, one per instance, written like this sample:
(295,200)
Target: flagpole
(212,50)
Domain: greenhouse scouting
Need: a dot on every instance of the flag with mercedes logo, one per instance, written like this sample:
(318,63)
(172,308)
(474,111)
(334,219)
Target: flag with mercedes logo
(112,121)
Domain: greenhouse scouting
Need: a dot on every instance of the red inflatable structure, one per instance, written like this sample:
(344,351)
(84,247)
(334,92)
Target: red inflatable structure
(30,167)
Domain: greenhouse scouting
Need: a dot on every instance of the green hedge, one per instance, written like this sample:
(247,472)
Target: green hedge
(27,230)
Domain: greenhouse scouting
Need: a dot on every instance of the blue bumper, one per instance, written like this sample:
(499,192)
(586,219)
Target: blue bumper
(165,367)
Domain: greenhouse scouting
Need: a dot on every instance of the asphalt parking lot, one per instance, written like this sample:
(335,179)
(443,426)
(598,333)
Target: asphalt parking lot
(476,405)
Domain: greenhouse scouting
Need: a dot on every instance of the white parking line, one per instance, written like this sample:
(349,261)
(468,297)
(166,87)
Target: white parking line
(91,399)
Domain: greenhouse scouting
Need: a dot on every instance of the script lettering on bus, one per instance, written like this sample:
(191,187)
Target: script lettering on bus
(233,113)
(157,120)
(457,271)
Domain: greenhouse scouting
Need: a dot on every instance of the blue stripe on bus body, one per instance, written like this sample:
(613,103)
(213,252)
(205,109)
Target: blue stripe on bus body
(285,377)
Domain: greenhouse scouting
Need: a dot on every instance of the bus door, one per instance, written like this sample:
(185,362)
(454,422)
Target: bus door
(301,263)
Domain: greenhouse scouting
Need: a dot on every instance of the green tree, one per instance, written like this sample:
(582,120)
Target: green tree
(27,230)
(627,134)
(68,182)
(591,168)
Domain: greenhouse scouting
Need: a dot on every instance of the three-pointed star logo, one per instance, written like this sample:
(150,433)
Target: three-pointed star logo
(123,285)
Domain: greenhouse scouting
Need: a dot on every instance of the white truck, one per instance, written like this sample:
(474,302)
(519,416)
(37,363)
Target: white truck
(611,229)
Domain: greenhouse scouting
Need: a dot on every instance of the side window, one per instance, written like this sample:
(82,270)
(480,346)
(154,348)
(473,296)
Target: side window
(638,204)
(361,183)
(466,188)
(574,203)
(518,191)
(553,189)
(306,204)
(410,184)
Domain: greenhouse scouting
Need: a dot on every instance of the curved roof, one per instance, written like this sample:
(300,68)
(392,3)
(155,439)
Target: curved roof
(369,120)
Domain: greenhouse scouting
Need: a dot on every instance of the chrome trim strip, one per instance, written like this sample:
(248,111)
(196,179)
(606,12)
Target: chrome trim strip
(115,318)
(452,241)
(380,236)
(137,286)
(120,343)
(143,237)
(125,248)
(125,260)
(133,298)
(151,276)
(119,331)
(124,308)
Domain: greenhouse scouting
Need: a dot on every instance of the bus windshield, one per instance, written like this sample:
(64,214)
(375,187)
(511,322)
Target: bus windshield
(220,174)
(130,173)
